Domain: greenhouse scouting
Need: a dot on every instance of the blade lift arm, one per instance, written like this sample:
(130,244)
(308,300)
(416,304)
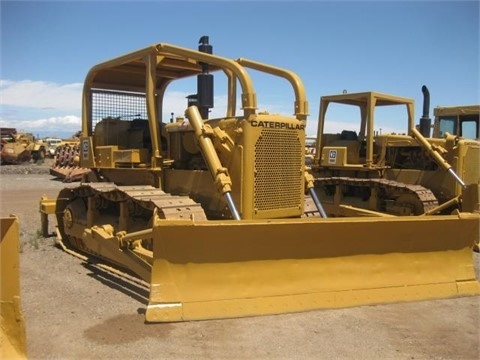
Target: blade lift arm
(436,156)
(204,134)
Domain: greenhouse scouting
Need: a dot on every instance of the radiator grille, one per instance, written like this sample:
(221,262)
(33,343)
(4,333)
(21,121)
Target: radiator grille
(278,165)
(117,104)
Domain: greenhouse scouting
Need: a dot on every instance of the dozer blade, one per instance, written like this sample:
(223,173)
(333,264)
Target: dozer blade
(224,269)
(12,334)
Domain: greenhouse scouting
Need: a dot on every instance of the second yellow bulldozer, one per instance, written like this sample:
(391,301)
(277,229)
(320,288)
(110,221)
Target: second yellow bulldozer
(407,173)
(220,215)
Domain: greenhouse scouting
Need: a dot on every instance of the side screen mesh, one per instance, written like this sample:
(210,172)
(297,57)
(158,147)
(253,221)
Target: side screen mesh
(117,104)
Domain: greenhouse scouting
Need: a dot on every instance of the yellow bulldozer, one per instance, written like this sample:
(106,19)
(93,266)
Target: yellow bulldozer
(12,331)
(219,216)
(399,174)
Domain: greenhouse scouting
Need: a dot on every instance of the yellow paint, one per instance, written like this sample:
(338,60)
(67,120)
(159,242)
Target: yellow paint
(232,269)
(12,334)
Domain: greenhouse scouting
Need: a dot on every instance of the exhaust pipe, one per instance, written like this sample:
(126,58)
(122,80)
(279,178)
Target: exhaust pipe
(425,121)
(205,81)
(203,99)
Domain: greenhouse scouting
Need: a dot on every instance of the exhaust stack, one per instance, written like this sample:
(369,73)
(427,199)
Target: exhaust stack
(205,81)
(425,121)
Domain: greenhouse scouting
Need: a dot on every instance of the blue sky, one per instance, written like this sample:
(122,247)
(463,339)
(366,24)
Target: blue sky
(393,47)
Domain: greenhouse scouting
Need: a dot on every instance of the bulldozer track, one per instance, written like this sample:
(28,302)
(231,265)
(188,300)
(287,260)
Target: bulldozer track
(149,198)
(423,195)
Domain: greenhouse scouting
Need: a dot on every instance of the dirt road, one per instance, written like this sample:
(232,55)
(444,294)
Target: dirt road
(75,311)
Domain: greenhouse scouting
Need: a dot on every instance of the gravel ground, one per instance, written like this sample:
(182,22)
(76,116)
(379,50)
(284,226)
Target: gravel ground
(75,311)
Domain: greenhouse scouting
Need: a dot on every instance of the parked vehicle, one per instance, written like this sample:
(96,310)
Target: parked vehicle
(219,216)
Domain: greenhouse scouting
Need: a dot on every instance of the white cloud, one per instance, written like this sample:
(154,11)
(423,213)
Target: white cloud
(41,95)
(63,126)
(58,122)
(41,107)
